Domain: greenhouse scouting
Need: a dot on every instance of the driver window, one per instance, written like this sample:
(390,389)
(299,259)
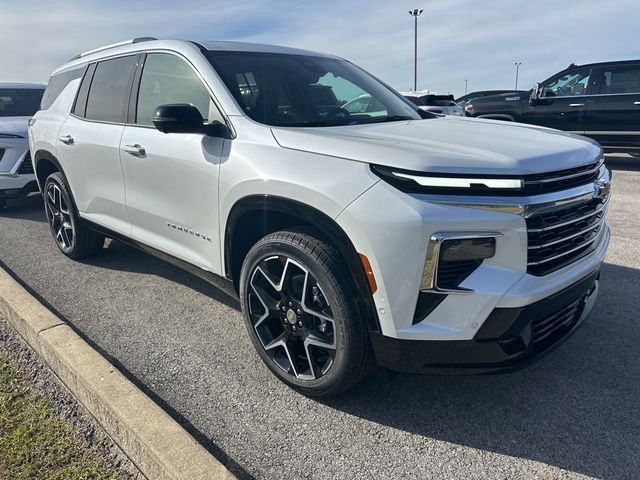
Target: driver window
(167,79)
(569,85)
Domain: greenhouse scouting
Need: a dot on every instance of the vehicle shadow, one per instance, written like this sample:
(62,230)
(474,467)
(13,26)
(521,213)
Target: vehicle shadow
(119,256)
(30,208)
(576,409)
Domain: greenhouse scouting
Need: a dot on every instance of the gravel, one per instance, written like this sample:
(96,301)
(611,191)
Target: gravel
(571,415)
(44,382)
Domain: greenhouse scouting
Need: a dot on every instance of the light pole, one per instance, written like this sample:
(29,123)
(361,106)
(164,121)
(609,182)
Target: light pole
(415,13)
(465,86)
(517,70)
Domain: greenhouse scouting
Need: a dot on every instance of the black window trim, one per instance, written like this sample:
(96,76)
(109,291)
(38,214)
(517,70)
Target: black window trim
(94,64)
(135,87)
(89,70)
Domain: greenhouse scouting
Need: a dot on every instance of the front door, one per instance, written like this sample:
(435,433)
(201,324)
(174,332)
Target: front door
(563,101)
(613,114)
(172,179)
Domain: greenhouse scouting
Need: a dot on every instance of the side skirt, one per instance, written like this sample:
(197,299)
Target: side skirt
(217,281)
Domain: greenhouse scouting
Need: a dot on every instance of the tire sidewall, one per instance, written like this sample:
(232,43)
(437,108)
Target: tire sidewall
(58,180)
(338,306)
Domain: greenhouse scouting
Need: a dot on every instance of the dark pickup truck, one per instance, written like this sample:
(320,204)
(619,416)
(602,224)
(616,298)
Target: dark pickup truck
(599,100)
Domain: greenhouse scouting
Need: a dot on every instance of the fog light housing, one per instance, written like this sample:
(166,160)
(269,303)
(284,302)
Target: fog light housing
(456,250)
(452,257)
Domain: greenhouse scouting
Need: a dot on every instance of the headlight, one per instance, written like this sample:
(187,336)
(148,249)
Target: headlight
(415,182)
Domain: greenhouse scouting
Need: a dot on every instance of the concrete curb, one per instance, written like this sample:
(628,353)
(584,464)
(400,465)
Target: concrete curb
(155,443)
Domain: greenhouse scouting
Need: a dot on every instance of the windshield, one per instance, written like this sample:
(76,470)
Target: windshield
(307,91)
(19,102)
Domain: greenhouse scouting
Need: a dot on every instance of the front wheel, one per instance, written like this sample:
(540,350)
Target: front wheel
(301,315)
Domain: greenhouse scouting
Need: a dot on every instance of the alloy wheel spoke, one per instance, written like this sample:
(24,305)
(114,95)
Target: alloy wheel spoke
(291,317)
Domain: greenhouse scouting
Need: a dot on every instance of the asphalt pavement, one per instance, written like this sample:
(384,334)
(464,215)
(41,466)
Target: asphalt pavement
(574,414)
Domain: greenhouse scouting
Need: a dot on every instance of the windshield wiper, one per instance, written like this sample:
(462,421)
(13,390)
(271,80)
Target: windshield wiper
(390,118)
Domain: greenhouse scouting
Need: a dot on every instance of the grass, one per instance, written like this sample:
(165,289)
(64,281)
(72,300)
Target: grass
(35,443)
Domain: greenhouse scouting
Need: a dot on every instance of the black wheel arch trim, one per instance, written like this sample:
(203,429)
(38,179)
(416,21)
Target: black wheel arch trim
(328,227)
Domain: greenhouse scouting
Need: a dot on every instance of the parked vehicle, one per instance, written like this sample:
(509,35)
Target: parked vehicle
(434,103)
(425,243)
(599,100)
(18,102)
(463,100)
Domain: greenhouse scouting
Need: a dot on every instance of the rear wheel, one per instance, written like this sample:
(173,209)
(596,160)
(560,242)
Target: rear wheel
(301,315)
(73,238)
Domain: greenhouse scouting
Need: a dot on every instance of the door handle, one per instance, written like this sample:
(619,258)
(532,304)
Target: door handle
(636,103)
(576,104)
(66,139)
(136,150)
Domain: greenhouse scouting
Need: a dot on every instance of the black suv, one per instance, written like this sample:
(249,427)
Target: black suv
(599,100)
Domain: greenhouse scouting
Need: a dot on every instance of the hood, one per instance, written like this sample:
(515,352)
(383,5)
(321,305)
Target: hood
(447,145)
(14,125)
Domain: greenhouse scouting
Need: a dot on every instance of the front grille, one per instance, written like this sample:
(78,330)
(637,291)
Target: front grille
(542,329)
(27,167)
(563,235)
(562,179)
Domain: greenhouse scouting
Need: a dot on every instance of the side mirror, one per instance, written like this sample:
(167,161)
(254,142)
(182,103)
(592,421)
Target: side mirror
(535,94)
(185,118)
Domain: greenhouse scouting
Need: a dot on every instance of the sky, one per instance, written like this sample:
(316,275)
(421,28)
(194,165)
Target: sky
(476,40)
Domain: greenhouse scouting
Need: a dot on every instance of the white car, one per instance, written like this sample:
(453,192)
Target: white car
(419,242)
(434,103)
(18,102)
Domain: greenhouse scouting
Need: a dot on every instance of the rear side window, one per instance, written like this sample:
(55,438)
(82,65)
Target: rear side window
(621,80)
(57,83)
(109,91)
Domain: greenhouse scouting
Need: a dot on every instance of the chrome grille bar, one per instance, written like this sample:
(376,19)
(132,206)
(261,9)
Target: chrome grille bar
(567,177)
(569,222)
(560,255)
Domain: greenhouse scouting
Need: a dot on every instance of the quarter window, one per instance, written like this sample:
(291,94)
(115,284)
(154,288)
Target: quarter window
(570,84)
(57,83)
(168,79)
(109,92)
(621,80)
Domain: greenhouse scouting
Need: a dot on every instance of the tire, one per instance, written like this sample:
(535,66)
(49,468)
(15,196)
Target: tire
(317,344)
(72,237)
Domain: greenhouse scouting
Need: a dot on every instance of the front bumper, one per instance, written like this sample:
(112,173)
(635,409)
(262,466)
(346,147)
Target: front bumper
(509,339)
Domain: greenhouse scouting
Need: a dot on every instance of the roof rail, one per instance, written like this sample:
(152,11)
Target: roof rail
(113,45)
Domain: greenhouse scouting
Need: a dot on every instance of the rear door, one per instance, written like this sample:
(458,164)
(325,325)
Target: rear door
(172,179)
(89,142)
(563,101)
(613,114)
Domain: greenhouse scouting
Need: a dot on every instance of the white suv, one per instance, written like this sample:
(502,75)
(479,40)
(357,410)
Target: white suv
(422,242)
(18,101)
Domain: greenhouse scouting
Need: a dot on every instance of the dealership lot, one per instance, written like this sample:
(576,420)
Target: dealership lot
(572,414)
